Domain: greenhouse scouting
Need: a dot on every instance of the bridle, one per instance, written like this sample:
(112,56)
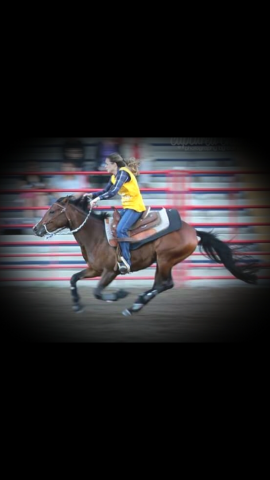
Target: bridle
(63,210)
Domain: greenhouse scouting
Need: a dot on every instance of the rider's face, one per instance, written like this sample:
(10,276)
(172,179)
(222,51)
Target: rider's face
(110,167)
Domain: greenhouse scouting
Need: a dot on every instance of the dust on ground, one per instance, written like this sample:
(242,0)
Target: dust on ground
(35,314)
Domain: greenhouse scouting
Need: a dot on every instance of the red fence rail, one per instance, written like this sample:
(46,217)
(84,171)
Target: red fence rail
(178,184)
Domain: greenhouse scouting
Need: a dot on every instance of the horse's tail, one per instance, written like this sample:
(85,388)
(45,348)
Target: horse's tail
(220,252)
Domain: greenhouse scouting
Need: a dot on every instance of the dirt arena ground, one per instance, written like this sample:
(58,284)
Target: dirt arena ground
(180,315)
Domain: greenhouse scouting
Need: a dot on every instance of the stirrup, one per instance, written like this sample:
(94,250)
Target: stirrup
(123,266)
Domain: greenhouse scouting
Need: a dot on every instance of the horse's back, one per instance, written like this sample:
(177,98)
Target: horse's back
(178,244)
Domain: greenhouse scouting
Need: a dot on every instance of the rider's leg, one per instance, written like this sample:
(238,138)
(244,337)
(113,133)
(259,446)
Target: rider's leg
(129,217)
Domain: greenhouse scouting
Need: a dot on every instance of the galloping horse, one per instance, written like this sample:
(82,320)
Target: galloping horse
(167,251)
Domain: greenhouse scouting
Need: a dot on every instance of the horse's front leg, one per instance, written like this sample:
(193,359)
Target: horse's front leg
(107,277)
(86,273)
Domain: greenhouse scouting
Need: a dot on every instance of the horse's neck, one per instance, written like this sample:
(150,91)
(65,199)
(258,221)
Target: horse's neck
(91,231)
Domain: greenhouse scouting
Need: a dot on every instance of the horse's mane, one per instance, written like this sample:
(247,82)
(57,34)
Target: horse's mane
(82,204)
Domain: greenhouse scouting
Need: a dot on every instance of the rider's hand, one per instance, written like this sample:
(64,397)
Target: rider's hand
(93,202)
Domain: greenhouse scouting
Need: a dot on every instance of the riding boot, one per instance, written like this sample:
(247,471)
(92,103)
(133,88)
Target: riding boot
(123,266)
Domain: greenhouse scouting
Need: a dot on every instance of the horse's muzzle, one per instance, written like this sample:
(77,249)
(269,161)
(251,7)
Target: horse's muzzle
(39,230)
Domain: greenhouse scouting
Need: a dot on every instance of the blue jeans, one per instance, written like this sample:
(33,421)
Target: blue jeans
(129,217)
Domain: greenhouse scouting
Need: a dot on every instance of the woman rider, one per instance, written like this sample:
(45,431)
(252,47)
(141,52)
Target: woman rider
(123,181)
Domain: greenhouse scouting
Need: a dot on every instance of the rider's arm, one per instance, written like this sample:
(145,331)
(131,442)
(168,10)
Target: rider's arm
(97,194)
(121,178)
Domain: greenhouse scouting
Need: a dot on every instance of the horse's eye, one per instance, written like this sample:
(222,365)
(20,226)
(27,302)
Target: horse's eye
(52,212)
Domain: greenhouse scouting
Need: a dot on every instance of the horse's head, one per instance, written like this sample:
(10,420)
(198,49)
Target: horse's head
(54,219)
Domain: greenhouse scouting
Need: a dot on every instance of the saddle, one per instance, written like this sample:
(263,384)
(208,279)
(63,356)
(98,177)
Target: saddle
(149,224)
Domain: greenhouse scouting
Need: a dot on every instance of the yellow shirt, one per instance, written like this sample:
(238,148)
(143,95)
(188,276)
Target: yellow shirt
(130,192)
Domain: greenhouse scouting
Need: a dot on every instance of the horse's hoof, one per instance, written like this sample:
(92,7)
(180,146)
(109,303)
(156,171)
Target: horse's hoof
(109,297)
(122,294)
(126,313)
(77,308)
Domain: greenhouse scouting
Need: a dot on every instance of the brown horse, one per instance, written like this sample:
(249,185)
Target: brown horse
(167,251)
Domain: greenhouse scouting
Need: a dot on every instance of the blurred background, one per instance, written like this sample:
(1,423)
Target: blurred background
(219,184)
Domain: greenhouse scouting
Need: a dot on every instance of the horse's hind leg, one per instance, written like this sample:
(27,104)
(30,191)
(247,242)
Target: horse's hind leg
(86,273)
(163,281)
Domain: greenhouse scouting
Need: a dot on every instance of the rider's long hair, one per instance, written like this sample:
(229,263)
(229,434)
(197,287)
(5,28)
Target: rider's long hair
(131,163)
